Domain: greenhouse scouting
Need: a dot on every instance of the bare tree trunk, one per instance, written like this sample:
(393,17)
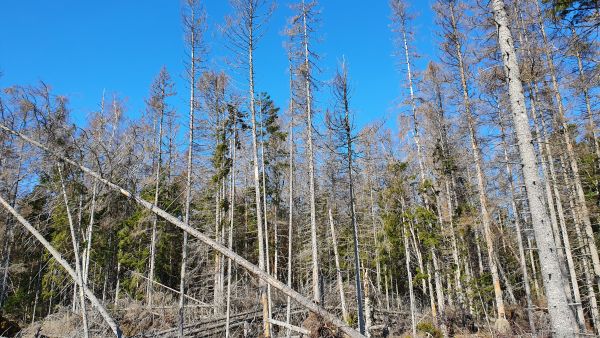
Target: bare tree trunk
(561,317)
(572,273)
(192,23)
(118,284)
(432,304)
(79,284)
(311,166)
(291,210)
(536,284)
(574,290)
(231,223)
(409,275)
(457,274)
(415,243)
(586,96)
(264,192)
(368,308)
(413,105)
(387,293)
(519,232)
(153,238)
(259,217)
(595,314)
(9,235)
(439,291)
(374,229)
(340,281)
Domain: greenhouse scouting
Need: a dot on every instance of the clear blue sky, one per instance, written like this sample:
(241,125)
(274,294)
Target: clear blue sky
(81,48)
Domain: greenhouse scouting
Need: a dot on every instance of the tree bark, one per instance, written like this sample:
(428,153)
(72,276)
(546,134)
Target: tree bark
(79,284)
(311,163)
(561,317)
(519,232)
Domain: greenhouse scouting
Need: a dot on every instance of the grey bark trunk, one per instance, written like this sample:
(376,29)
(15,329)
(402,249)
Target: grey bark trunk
(561,317)
(79,284)
(259,217)
(522,257)
(311,165)
(150,286)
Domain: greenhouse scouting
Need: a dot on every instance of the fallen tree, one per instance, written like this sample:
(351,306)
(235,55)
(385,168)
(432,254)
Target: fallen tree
(251,268)
(58,257)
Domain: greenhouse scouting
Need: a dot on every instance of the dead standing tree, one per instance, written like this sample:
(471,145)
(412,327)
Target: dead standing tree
(193,22)
(340,123)
(243,31)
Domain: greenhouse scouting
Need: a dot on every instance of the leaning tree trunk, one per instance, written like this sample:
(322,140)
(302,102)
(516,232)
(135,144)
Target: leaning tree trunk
(72,273)
(561,317)
(589,283)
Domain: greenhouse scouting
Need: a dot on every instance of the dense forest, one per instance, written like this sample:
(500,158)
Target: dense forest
(475,214)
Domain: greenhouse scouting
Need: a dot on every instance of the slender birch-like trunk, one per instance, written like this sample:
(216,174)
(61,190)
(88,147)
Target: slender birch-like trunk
(368,306)
(264,194)
(561,317)
(231,223)
(259,215)
(288,312)
(577,224)
(311,162)
(408,274)
(153,238)
(78,284)
(192,22)
(439,293)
